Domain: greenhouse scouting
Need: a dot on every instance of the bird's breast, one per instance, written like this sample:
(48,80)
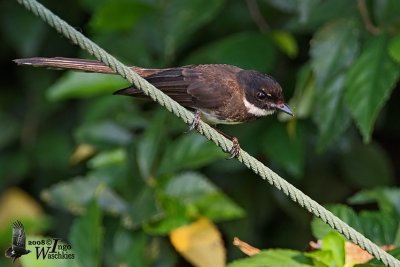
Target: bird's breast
(214,118)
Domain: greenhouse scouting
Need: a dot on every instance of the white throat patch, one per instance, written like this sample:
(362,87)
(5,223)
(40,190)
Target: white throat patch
(256,111)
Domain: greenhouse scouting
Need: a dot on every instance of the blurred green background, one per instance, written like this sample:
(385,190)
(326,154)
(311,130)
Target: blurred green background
(115,176)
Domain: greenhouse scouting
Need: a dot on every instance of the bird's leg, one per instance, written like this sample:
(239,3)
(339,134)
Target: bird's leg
(196,120)
(235,150)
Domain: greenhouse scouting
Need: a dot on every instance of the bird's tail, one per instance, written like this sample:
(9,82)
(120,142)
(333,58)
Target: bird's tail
(78,64)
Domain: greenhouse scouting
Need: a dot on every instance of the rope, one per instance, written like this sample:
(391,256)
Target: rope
(250,162)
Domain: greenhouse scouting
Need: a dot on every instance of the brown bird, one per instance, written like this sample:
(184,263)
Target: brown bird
(217,93)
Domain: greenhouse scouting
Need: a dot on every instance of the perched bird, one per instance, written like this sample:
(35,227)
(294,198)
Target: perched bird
(217,93)
(17,248)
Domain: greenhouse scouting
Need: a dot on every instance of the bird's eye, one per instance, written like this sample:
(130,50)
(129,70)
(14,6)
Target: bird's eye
(261,95)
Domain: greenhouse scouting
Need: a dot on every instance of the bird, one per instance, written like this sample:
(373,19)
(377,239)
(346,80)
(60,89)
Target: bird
(216,93)
(17,248)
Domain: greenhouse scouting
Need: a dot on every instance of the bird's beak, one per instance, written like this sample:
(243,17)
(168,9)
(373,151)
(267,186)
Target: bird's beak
(285,108)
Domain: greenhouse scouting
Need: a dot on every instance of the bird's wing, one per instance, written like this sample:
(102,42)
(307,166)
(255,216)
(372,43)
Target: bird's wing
(18,236)
(171,81)
(175,82)
(214,87)
(197,86)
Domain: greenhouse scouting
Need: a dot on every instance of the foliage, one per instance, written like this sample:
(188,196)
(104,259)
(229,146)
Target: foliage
(116,177)
(380,226)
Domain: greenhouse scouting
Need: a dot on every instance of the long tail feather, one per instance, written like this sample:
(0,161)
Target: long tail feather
(77,64)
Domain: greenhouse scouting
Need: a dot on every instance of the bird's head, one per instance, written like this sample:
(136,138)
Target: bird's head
(263,95)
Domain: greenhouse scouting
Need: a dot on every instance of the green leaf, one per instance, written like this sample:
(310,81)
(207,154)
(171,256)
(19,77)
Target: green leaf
(387,14)
(334,242)
(218,207)
(284,148)
(311,14)
(145,208)
(369,84)
(367,166)
(119,15)
(246,50)
(305,9)
(79,84)
(321,258)
(304,94)
(71,195)
(286,42)
(195,191)
(347,214)
(174,217)
(103,134)
(387,198)
(380,227)
(189,187)
(86,236)
(109,201)
(107,158)
(123,110)
(394,48)
(331,116)
(151,144)
(333,49)
(130,247)
(182,18)
(273,257)
(191,151)
(75,194)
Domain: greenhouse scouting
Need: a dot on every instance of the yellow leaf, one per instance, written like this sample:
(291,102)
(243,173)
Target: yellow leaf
(200,243)
(16,204)
(81,153)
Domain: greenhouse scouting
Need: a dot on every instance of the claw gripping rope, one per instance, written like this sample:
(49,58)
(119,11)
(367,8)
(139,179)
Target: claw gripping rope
(250,162)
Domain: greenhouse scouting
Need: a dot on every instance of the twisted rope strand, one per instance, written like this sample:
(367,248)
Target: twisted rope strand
(250,162)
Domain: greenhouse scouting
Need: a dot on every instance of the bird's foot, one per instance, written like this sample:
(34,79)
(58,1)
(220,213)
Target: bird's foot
(235,150)
(196,121)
